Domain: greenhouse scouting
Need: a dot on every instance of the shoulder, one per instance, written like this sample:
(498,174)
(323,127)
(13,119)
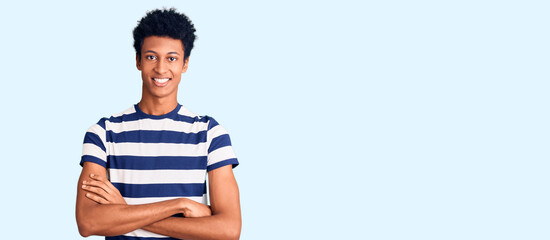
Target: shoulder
(124,116)
(104,122)
(187,116)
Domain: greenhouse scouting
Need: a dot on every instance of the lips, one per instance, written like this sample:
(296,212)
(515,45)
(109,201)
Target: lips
(161,82)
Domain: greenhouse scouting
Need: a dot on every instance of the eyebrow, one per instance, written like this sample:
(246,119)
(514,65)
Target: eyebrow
(151,51)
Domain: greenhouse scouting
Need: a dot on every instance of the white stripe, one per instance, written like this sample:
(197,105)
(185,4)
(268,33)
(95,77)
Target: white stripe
(93,150)
(184,111)
(126,112)
(131,176)
(156,149)
(165,124)
(135,201)
(144,234)
(221,154)
(99,131)
(215,132)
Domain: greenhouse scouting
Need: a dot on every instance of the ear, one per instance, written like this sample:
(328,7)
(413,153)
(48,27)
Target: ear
(138,62)
(185,64)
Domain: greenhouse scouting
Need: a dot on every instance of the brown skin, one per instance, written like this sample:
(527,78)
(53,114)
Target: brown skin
(197,224)
(101,210)
(161,57)
(116,219)
(102,191)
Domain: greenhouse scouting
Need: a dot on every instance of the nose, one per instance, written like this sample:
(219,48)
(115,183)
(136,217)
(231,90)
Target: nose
(160,67)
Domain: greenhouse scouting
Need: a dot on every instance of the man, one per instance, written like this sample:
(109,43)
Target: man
(144,170)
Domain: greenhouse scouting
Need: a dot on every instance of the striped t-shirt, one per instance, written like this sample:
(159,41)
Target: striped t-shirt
(153,158)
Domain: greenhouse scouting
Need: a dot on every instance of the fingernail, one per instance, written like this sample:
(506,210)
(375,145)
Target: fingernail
(91,175)
(83,186)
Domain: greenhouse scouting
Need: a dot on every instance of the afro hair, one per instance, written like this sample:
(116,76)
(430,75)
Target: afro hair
(165,23)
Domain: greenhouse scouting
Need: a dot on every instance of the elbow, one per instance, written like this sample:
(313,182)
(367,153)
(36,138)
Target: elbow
(230,235)
(84,229)
(89,228)
(234,235)
(228,228)
(233,232)
(84,233)
(83,223)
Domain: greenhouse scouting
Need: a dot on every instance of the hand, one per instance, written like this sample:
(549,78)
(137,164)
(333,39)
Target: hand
(195,209)
(102,191)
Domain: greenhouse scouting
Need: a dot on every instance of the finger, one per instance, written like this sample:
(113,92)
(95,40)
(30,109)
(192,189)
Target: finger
(111,186)
(96,198)
(96,177)
(107,183)
(98,184)
(98,191)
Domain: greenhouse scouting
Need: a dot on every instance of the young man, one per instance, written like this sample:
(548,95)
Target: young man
(144,170)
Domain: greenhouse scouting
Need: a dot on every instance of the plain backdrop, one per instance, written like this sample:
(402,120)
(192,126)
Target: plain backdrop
(351,119)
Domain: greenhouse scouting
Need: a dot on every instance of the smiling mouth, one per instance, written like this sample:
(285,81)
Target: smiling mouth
(161,82)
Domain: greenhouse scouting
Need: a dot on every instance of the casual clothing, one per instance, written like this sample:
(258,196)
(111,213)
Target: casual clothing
(155,158)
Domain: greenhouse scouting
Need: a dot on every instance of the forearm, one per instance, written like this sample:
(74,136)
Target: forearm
(225,222)
(117,219)
(212,227)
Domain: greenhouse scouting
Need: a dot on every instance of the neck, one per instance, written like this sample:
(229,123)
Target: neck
(157,106)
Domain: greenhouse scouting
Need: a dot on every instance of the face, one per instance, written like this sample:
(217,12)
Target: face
(161,66)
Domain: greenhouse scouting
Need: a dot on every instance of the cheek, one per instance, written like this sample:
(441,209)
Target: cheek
(178,70)
(143,75)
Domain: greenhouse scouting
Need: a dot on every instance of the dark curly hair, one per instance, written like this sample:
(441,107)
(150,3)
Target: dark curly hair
(165,23)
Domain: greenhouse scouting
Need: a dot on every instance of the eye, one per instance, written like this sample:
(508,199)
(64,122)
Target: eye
(150,57)
(171,59)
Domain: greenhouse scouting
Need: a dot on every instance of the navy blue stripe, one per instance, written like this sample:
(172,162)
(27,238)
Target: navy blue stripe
(153,163)
(220,164)
(89,158)
(93,138)
(161,190)
(137,116)
(183,118)
(212,123)
(150,136)
(218,142)
(137,238)
(125,118)
(171,114)
(101,122)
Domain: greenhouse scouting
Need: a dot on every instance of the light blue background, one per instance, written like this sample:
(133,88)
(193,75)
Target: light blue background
(351,119)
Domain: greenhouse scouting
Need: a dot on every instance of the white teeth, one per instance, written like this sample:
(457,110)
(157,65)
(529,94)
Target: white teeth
(161,80)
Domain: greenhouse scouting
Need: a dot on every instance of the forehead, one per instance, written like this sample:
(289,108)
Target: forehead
(162,45)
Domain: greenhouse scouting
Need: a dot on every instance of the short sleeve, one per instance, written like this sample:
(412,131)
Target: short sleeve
(220,151)
(93,149)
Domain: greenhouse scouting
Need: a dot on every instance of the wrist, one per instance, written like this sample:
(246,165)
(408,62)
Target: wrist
(183,205)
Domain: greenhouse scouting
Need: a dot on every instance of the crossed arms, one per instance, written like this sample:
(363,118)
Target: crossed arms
(101,210)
